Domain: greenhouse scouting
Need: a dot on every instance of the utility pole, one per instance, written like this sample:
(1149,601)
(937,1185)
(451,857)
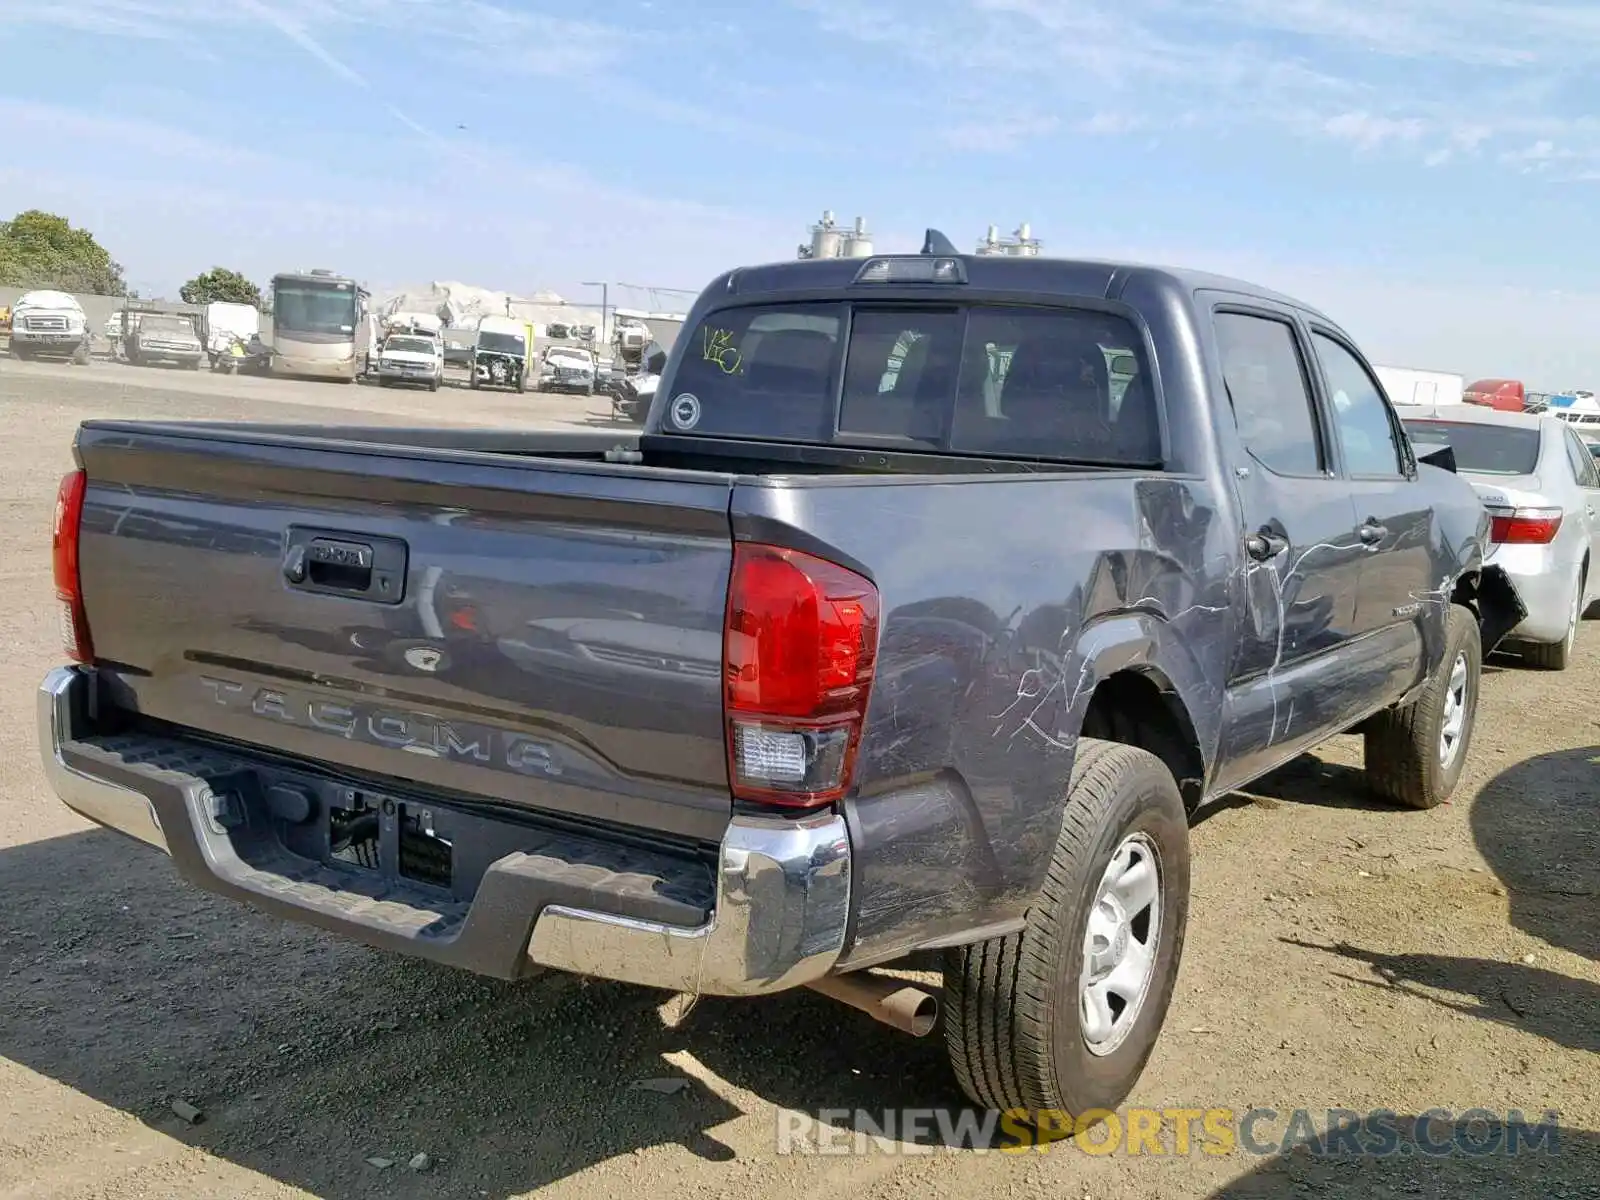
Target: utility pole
(605,306)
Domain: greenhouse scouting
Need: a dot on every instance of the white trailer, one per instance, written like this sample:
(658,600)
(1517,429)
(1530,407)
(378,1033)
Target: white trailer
(1411,386)
(222,322)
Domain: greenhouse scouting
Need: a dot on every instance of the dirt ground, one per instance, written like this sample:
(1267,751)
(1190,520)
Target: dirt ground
(1340,956)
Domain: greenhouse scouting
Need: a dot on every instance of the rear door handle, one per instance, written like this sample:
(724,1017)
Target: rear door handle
(1372,533)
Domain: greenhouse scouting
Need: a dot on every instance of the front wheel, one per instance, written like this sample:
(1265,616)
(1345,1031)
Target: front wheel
(1059,1019)
(1414,755)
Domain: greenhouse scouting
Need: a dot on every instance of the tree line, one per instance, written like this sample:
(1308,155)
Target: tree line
(43,250)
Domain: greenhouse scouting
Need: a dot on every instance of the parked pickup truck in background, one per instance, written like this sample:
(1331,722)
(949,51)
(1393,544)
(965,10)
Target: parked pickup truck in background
(414,360)
(49,324)
(895,629)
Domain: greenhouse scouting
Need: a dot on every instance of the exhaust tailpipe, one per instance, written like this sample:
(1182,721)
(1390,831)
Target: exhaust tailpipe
(893,1001)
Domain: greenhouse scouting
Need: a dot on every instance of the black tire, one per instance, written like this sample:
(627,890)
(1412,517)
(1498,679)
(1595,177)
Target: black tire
(18,352)
(1557,656)
(1547,656)
(1014,1020)
(1401,746)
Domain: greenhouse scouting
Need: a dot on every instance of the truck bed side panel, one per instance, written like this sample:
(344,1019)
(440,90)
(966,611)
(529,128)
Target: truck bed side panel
(1004,602)
(558,645)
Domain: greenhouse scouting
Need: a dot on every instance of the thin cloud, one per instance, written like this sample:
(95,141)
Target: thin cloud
(297,34)
(532,223)
(999,135)
(145,138)
(1407,78)
(1367,131)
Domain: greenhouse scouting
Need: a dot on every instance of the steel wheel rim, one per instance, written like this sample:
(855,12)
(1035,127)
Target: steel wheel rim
(1453,728)
(1119,945)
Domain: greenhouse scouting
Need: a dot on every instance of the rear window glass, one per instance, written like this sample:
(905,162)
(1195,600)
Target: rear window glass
(1483,448)
(1011,381)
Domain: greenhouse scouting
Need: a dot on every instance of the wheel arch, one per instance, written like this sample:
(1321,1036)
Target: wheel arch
(1487,591)
(1141,686)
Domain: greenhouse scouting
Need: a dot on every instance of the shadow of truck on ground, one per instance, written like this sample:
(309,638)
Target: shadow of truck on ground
(1537,824)
(309,1054)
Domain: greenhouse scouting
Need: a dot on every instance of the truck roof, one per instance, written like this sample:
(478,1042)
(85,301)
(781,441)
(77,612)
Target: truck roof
(497,324)
(995,272)
(313,277)
(46,298)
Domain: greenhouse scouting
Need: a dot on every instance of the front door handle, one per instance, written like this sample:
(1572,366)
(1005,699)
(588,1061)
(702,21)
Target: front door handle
(1372,533)
(1265,545)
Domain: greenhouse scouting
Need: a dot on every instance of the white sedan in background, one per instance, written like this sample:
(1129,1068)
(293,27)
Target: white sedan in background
(1541,486)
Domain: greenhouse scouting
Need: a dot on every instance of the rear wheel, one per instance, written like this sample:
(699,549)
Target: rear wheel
(1060,1018)
(1414,755)
(1557,656)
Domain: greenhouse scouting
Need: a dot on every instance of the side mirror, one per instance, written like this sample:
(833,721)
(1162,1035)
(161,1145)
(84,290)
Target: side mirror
(656,361)
(1125,364)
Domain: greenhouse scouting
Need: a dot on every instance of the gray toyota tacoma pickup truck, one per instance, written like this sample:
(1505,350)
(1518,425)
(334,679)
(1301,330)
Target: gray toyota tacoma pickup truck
(934,595)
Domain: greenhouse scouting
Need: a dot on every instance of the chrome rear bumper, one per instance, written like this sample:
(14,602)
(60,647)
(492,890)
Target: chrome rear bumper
(62,708)
(780,918)
(783,904)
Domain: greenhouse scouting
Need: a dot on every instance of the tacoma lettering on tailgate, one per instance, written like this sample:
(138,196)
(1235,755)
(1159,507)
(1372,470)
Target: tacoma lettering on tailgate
(394,728)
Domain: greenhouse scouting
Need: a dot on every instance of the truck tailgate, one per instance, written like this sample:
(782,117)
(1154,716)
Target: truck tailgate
(544,633)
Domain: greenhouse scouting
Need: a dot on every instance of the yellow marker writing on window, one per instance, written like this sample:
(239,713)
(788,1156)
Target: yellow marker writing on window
(719,349)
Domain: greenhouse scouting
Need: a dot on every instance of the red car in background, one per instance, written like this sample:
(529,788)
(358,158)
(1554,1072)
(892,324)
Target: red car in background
(1507,395)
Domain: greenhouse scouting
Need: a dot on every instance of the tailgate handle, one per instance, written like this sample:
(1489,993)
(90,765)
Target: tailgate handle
(341,564)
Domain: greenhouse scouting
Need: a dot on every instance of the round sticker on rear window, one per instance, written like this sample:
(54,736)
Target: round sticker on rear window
(685,410)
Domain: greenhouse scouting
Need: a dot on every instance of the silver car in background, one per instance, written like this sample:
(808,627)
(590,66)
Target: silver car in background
(1541,486)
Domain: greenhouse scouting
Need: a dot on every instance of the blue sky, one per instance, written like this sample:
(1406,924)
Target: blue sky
(1427,170)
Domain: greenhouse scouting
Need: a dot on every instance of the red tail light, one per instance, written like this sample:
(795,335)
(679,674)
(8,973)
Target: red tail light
(64,552)
(1524,526)
(799,646)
